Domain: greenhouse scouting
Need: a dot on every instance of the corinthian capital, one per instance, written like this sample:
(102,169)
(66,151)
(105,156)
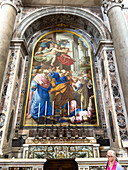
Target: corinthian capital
(15,3)
(107,4)
(18,2)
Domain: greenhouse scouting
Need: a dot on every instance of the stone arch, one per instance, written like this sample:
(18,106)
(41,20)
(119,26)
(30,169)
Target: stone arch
(50,17)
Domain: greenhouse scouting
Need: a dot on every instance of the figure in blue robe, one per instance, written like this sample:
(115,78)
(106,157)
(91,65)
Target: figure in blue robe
(58,79)
(40,104)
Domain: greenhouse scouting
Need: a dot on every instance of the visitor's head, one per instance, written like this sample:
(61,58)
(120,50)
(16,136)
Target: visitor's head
(111,155)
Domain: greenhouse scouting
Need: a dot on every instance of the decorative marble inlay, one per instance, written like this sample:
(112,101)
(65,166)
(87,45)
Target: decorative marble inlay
(111,67)
(116,95)
(123,133)
(115,90)
(2,120)
(8,80)
(106,94)
(15,95)
(121,120)
(61,151)
(109,55)
(7,88)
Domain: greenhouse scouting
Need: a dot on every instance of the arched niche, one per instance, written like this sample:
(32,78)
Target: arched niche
(70,17)
(47,19)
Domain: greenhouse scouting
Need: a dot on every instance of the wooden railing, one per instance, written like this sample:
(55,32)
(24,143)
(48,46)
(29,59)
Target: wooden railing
(38,164)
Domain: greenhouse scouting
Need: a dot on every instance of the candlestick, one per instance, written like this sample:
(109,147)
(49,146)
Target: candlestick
(75,108)
(82,119)
(53,108)
(46,108)
(68,108)
(35,97)
(39,111)
(81,106)
(60,115)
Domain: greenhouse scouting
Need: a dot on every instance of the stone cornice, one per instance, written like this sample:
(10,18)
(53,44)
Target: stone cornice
(108,4)
(108,44)
(19,43)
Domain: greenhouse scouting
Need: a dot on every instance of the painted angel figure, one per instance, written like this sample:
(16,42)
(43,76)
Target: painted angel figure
(50,54)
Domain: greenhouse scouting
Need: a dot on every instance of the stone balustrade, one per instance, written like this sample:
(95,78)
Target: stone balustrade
(38,164)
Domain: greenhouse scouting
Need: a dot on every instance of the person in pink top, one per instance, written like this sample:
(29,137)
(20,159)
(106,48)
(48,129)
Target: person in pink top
(112,164)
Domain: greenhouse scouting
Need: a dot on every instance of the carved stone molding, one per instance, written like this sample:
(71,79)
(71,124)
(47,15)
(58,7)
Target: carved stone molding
(108,4)
(15,2)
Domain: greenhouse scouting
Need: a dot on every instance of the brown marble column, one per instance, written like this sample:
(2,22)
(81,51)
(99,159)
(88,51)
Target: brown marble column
(120,39)
(7,20)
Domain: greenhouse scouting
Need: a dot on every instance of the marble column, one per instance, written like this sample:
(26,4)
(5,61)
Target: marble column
(120,39)
(7,20)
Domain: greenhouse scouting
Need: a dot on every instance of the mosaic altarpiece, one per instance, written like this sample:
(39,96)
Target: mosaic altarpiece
(61,82)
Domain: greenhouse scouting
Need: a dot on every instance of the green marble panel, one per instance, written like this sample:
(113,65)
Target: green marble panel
(61,151)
